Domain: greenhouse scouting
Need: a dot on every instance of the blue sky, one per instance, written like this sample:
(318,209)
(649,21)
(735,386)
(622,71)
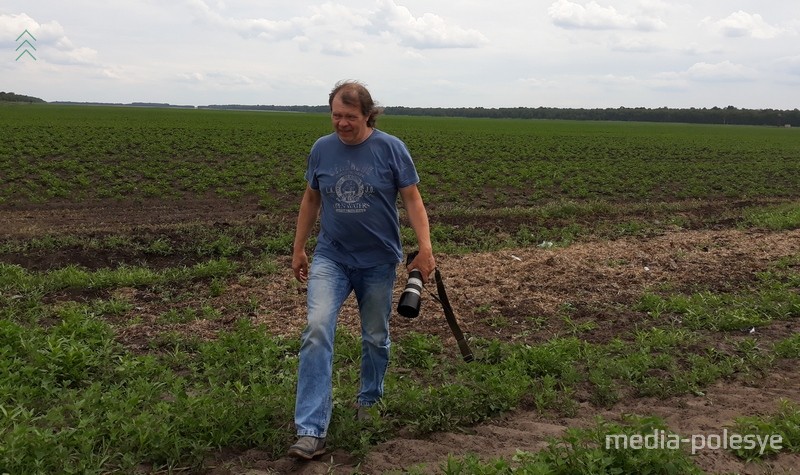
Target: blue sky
(465,53)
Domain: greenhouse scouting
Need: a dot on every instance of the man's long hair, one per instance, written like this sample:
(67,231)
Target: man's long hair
(354,93)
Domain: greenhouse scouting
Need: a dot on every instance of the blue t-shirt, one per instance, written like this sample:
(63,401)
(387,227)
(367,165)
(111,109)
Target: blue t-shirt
(359,221)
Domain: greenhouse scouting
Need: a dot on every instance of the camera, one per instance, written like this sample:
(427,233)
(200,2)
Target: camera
(411,298)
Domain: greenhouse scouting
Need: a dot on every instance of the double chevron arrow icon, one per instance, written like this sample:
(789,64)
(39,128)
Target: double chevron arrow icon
(26,42)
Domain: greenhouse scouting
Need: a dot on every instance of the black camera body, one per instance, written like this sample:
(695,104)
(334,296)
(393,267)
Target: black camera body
(411,298)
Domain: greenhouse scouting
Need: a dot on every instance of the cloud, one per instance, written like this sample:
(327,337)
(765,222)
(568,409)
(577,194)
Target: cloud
(743,24)
(724,71)
(320,31)
(537,82)
(389,21)
(52,44)
(215,79)
(593,16)
(262,28)
(633,45)
(789,64)
(342,48)
(614,80)
(339,16)
(424,32)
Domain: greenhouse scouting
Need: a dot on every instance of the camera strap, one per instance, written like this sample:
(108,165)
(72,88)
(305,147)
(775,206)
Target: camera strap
(466,353)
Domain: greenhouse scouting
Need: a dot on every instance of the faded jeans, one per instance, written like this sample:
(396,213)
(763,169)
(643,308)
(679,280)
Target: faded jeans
(329,284)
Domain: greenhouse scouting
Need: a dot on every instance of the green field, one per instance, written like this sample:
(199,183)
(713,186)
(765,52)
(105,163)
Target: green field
(84,153)
(144,348)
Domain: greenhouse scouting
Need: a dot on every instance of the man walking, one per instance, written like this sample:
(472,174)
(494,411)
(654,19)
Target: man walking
(354,176)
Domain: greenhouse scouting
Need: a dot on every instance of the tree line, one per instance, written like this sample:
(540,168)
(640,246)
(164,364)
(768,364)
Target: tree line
(11,97)
(715,115)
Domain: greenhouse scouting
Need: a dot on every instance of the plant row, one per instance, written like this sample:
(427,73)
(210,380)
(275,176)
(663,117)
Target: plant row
(91,153)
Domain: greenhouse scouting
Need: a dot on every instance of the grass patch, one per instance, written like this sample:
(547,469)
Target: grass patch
(783,426)
(774,300)
(74,400)
(14,278)
(775,218)
(788,348)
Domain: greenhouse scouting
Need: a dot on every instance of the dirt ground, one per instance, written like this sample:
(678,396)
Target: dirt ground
(519,295)
(493,293)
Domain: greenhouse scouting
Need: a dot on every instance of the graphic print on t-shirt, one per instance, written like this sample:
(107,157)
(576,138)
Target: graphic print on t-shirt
(352,191)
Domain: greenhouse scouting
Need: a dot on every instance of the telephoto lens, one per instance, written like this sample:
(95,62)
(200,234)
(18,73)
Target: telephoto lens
(411,298)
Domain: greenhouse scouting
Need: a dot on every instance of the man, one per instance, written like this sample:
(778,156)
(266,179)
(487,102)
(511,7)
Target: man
(354,176)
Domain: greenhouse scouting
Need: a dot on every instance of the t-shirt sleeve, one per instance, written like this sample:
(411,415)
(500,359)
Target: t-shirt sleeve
(406,171)
(311,167)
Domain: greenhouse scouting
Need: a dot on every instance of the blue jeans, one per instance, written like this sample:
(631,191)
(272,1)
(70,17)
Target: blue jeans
(329,284)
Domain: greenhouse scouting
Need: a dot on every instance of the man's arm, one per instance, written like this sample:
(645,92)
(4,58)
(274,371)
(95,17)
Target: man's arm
(306,218)
(418,218)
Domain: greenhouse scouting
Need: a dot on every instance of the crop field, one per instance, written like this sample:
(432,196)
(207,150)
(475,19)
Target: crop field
(614,279)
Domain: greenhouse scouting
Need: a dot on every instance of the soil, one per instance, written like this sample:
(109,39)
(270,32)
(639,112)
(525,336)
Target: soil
(519,295)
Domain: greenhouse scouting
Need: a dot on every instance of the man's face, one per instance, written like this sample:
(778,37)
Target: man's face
(348,122)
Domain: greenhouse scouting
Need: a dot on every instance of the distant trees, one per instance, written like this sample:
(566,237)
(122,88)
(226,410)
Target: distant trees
(309,109)
(11,97)
(714,115)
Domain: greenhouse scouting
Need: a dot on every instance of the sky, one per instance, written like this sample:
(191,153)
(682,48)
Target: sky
(414,53)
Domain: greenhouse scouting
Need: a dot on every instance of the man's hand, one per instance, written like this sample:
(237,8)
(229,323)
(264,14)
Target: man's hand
(424,262)
(300,265)
(309,210)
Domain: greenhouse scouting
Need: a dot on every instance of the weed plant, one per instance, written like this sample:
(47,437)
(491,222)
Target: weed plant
(785,423)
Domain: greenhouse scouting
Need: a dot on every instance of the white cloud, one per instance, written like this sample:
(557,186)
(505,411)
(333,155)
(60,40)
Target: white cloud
(12,26)
(336,47)
(743,24)
(262,28)
(614,80)
(593,16)
(110,74)
(789,64)
(669,82)
(724,71)
(389,21)
(191,77)
(536,82)
(713,74)
(695,49)
(633,45)
(51,43)
(427,31)
(215,79)
(339,16)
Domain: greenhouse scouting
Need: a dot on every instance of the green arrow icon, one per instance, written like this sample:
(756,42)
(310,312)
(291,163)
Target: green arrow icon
(26,32)
(26,42)
(29,54)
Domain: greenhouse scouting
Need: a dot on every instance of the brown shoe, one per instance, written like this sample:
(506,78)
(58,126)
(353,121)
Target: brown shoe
(365,414)
(307,447)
